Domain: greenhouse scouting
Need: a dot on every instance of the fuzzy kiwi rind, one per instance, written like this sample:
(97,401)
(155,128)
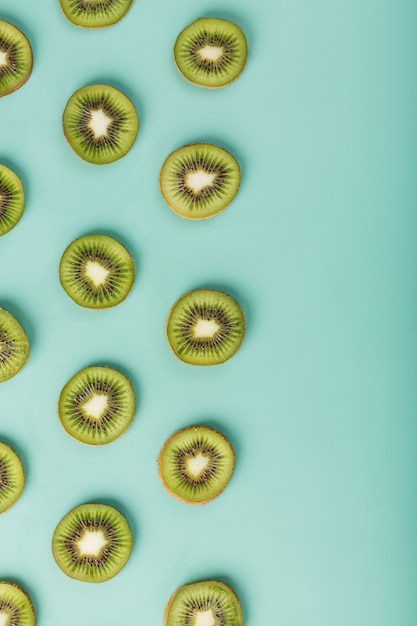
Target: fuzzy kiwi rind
(14,344)
(193,34)
(95,375)
(12,199)
(82,518)
(15,41)
(24,598)
(227,167)
(10,462)
(198,432)
(75,11)
(225,590)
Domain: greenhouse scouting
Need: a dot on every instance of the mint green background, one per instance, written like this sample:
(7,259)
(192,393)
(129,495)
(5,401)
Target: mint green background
(317,527)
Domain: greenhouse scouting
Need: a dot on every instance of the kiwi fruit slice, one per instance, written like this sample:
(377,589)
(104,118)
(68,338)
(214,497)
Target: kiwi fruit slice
(196,464)
(16,608)
(96,271)
(200,180)
(12,478)
(92,543)
(14,346)
(100,124)
(211,52)
(12,199)
(95,13)
(15,58)
(204,603)
(97,405)
(205,327)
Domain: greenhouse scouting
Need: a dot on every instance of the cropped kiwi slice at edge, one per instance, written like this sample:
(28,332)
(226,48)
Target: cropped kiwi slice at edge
(14,346)
(16,605)
(92,543)
(12,477)
(16,58)
(95,13)
(100,124)
(12,199)
(195,464)
(199,180)
(204,602)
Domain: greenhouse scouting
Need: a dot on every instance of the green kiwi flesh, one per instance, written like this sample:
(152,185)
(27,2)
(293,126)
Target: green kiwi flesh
(97,405)
(199,180)
(204,603)
(95,13)
(12,478)
(12,199)
(196,464)
(16,608)
(205,327)
(100,124)
(92,543)
(211,52)
(96,271)
(15,58)
(14,346)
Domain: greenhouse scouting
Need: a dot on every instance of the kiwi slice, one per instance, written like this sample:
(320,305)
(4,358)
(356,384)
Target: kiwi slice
(97,405)
(95,13)
(96,271)
(211,52)
(14,346)
(205,327)
(15,58)
(12,199)
(12,478)
(199,180)
(16,608)
(205,603)
(100,124)
(92,543)
(196,464)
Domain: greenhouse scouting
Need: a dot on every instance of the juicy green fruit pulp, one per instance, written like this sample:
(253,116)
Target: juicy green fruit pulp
(95,13)
(199,180)
(14,346)
(211,52)
(96,271)
(12,199)
(196,464)
(205,327)
(209,602)
(12,478)
(15,606)
(15,58)
(92,543)
(100,124)
(97,405)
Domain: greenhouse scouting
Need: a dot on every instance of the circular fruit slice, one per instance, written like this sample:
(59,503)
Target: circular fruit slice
(205,327)
(200,180)
(97,405)
(92,543)
(211,52)
(196,464)
(15,606)
(12,199)
(12,478)
(100,124)
(95,13)
(206,603)
(14,346)
(15,58)
(96,271)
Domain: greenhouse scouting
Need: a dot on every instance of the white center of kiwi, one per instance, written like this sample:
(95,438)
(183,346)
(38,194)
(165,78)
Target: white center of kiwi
(197,464)
(4,618)
(3,62)
(96,406)
(211,53)
(96,273)
(91,543)
(196,181)
(205,618)
(205,328)
(99,123)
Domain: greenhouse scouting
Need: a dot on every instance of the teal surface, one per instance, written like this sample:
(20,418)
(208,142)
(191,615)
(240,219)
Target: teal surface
(317,527)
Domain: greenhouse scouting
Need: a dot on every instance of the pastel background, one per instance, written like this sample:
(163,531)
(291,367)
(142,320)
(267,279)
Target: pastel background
(318,525)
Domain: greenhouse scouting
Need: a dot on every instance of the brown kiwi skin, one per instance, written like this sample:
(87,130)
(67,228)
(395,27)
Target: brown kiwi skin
(207,217)
(13,503)
(31,64)
(96,27)
(160,464)
(7,582)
